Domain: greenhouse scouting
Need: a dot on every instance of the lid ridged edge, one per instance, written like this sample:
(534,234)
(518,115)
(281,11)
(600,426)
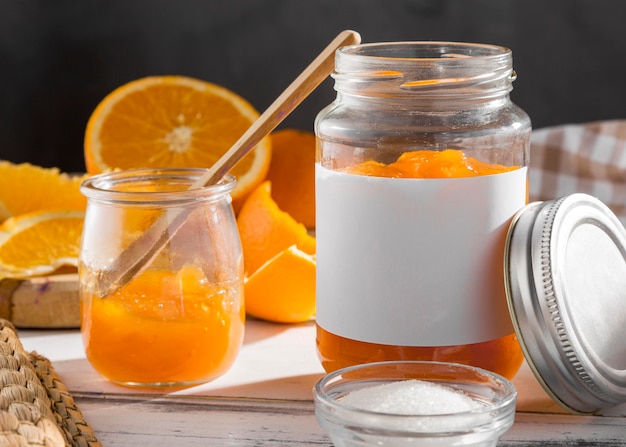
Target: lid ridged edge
(537,237)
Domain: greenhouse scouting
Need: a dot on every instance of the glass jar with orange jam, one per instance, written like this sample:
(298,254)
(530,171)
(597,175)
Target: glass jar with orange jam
(178,321)
(421,164)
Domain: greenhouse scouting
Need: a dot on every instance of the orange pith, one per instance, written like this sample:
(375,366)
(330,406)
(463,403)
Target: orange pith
(266,230)
(292,173)
(173,121)
(25,188)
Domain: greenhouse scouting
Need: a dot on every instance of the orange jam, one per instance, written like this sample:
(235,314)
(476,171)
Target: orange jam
(164,328)
(503,355)
(449,163)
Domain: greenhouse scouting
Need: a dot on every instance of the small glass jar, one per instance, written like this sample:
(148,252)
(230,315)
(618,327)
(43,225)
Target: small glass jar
(179,321)
(421,165)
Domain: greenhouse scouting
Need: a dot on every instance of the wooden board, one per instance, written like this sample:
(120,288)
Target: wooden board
(46,302)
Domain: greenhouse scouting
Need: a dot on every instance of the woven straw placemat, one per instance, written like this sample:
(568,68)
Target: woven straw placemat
(36,409)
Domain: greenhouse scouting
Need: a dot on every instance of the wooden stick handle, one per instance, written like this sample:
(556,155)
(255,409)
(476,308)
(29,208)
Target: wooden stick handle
(298,90)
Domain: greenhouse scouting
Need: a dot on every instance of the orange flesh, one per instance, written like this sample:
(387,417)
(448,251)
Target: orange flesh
(164,328)
(503,355)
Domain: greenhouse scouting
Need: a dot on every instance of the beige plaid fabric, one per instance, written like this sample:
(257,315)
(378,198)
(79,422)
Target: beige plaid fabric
(588,158)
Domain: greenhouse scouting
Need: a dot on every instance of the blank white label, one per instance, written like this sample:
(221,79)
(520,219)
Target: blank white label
(414,262)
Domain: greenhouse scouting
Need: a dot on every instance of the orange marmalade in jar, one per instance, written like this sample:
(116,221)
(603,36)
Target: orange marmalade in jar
(178,321)
(421,165)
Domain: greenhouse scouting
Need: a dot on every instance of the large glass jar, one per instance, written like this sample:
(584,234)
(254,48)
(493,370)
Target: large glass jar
(179,320)
(421,165)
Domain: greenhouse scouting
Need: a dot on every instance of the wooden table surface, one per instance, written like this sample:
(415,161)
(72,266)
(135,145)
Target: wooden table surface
(266,399)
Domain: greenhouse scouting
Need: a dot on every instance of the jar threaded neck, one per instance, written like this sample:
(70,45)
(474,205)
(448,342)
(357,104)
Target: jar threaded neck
(424,71)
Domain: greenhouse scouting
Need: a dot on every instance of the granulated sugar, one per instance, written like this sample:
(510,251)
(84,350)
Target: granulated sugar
(411,397)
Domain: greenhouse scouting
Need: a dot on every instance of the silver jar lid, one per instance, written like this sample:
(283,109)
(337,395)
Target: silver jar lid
(565,270)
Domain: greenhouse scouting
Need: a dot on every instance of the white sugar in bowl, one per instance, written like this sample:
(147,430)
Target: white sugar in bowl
(412,403)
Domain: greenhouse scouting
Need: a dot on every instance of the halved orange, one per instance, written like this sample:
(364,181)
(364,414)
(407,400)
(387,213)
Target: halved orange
(283,289)
(173,121)
(25,188)
(40,242)
(266,230)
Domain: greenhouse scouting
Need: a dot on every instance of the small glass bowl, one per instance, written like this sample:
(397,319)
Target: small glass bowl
(349,426)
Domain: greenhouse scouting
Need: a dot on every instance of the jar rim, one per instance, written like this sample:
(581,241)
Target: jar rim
(446,52)
(116,186)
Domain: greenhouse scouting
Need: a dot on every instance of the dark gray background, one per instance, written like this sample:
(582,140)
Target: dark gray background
(59,58)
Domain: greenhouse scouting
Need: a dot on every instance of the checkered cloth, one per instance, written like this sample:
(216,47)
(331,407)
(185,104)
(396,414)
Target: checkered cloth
(588,158)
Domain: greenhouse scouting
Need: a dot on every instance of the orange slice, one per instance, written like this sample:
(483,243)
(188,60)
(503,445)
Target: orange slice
(283,289)
(39,243)
(266,230)
(173,121)
(292,173)
(25,188)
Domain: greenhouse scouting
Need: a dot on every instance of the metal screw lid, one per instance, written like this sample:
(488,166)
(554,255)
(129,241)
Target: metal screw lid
(565,275)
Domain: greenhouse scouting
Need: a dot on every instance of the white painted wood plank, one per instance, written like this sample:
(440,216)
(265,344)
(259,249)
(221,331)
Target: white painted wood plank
(202,421)
(188,421)
(565,430)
